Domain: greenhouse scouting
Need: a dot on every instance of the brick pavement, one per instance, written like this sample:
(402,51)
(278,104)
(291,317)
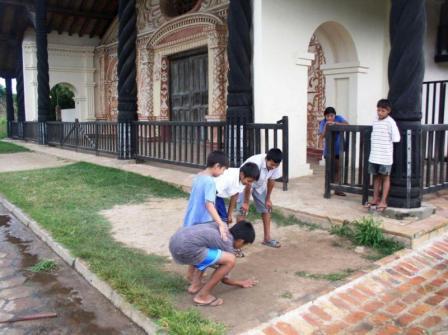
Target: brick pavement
(408,295)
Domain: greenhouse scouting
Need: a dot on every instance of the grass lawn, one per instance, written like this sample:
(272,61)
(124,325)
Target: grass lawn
(67,200)
(8,148)
(2,127)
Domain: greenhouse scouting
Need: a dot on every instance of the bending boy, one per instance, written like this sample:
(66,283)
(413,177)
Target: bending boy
(202,246)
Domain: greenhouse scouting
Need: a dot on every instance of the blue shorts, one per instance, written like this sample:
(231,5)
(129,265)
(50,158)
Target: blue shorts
(379,169)
(221,208)
(213,255)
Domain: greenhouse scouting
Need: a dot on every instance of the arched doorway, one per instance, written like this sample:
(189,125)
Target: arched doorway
(62,102)
(332,79)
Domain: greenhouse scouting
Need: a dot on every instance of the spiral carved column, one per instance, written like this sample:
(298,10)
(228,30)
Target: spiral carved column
(43,86)
(127,84)
(239,97)
(406,71)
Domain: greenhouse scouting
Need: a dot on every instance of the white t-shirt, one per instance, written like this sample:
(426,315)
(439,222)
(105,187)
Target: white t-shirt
(384,133)
(265,174)
(229,184)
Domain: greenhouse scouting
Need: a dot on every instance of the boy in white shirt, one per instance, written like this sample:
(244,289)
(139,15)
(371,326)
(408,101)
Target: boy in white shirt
(230,184)
(269,165)
(384,134)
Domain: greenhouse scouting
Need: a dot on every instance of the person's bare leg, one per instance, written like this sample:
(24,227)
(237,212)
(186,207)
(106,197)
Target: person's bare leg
(386,187)
(196,282)
(376,189)
(190,273)
(226,264)
(266,217)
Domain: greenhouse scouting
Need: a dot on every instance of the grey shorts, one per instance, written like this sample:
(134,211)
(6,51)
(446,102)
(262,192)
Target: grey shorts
(379,169)
(259,201)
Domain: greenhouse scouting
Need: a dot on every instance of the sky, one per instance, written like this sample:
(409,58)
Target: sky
(2,82)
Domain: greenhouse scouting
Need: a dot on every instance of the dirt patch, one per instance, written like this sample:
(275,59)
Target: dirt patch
(149,226)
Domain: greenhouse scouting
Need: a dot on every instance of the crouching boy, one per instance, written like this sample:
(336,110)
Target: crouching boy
(202,246)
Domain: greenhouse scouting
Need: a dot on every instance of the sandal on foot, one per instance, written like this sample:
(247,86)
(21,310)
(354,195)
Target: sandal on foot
(370,205)
(381,209)
(272,243)
(213,303)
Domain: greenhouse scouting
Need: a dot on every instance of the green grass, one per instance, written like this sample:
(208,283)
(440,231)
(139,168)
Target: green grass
(9,148)
(46,265)
(367,232)
(334,276)
(2,127)
(67,200)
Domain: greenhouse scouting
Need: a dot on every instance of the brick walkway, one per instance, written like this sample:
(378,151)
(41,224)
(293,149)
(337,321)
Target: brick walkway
(408,295)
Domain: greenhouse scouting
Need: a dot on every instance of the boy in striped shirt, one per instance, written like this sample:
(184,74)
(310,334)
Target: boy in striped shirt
(384,134)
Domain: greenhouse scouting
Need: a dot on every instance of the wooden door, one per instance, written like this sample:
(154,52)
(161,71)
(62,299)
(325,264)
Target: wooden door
(189,86)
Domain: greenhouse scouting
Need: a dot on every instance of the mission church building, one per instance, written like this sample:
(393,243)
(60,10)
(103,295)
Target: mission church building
(306,55)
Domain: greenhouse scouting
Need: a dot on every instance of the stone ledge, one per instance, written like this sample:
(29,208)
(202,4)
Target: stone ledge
(82,268)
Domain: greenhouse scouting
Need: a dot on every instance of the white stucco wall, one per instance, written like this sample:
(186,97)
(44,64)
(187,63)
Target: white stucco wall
(70,60)
(282,31)
(433,71)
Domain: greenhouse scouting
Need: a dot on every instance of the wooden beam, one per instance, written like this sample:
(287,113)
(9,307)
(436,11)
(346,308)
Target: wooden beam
(60,10)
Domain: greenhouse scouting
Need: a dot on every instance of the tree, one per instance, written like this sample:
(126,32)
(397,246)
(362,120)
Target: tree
(61,95)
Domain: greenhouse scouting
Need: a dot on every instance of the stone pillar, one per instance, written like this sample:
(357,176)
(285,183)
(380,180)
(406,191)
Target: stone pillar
(239,96)
(19,87)
(127,84)
(43,86)
(9,105)
(406,71)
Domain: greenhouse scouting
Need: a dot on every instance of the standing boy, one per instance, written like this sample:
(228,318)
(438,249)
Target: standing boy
(201,204)
(269,166)
(201,246)
(230,184)
(384,134)
(330,118)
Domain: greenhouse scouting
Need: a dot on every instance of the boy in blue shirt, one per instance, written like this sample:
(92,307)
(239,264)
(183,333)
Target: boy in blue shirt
(332,119)
(201,204)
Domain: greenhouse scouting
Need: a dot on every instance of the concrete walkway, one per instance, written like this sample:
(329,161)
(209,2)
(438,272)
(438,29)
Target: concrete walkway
(408,295)
(304,199)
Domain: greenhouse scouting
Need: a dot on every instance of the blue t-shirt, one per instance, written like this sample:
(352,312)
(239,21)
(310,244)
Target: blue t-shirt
(337,118)
(203,191)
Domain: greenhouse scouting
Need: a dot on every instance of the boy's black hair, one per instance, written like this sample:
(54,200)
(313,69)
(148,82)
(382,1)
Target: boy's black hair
(217,157)
(384,103)
(250,170)
(275,155)
(329,110)
(243,230)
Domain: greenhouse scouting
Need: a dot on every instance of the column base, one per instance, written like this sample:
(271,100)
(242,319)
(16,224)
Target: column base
(421,212)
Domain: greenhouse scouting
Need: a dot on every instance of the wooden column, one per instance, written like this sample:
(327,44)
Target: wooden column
(43,86)
(240,95)
(406,71)
(19,87)
(9,105)
(127,84)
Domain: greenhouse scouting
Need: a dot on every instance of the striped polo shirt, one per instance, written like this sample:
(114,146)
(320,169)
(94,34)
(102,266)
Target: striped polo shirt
(384,133)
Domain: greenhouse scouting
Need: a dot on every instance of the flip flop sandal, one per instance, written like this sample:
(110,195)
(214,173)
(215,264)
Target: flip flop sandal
(381,209)
(214,303)
(370,205)
(272,243)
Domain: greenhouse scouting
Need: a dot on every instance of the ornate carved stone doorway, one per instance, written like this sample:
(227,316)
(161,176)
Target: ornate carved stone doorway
(316,98)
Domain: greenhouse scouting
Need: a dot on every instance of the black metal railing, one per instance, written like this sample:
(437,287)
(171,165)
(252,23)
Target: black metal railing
(434,102)
(263,136)
(31,131)
(346,169)
(97,136)
(434,158)
(346,165)
(182,143)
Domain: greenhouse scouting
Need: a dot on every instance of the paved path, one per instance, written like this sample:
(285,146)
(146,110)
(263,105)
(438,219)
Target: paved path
(408,295)
(80,309)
